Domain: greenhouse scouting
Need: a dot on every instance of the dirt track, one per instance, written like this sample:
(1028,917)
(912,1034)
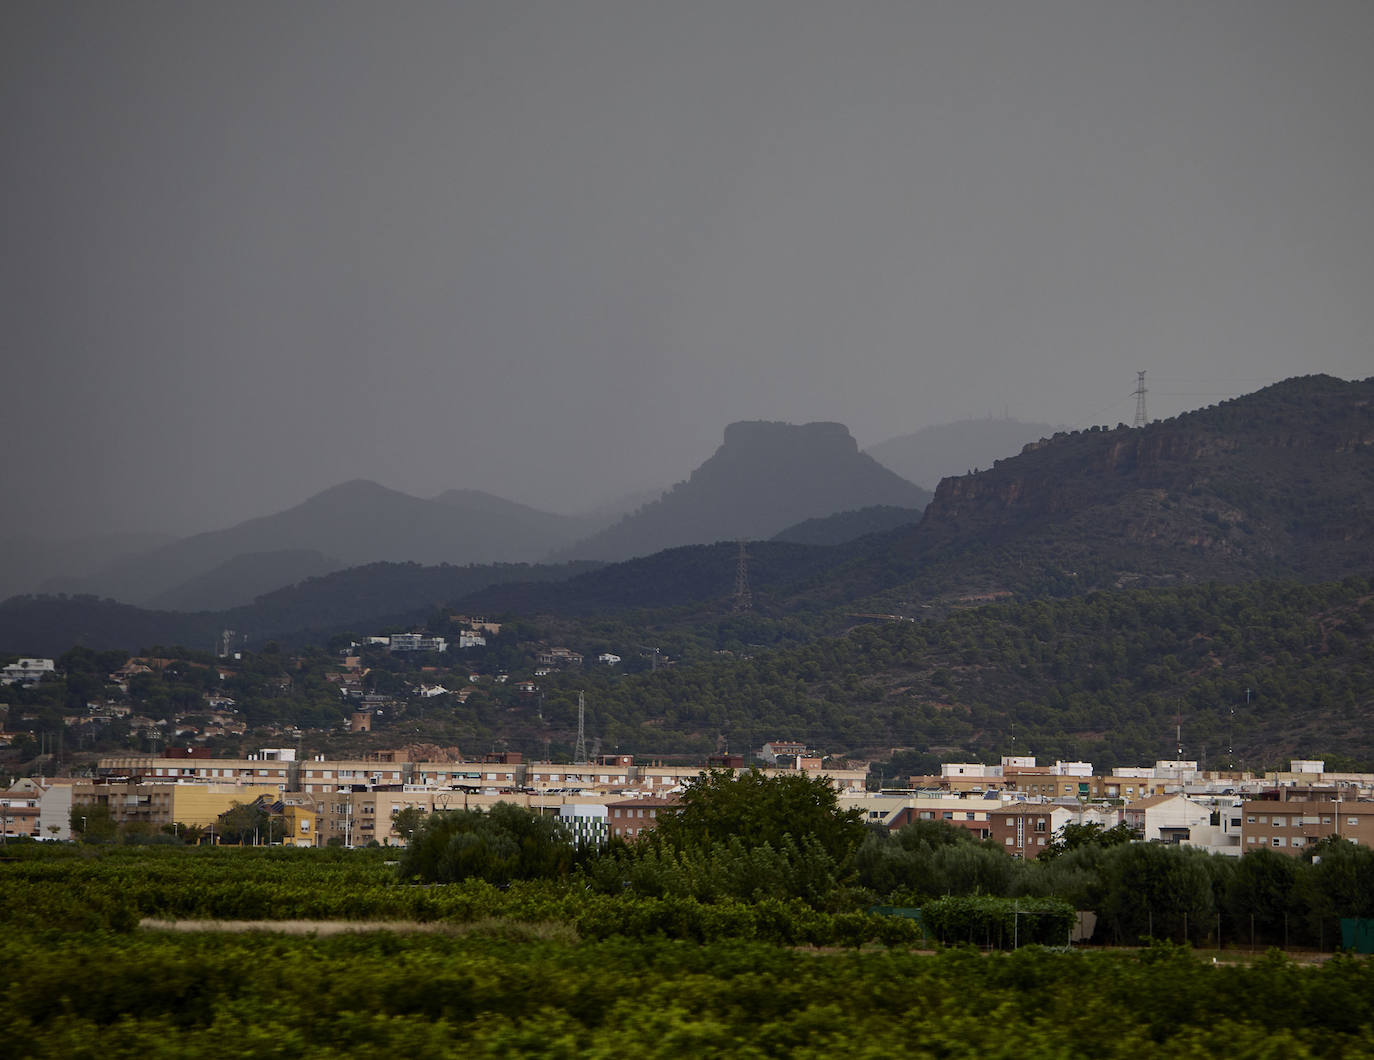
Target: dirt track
(296,927)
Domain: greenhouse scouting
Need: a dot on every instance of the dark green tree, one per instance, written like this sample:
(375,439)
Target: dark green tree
(93,823)
(1074,836)
(243,823)
(758,809)
(1156,891)
(408,821)
(506,843)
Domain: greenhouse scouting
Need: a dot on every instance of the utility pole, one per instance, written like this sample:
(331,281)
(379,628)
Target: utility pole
(1140,418)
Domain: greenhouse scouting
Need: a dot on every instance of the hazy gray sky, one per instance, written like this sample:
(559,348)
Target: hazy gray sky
(249,250)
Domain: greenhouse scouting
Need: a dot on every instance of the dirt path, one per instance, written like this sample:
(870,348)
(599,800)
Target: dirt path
(296,927)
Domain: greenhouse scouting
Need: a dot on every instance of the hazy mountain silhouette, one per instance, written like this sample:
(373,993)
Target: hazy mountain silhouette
(933,453)
(356,522)
(1275,484)
(847,526)
(764,478)
(26,563)
(240,580)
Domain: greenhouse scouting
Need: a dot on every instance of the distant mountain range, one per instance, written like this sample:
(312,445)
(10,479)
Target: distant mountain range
(843,527)
(1278,483)
(933,453)
(1272,492)
(26,563)
(1275,484)
(764,478)
(348,525)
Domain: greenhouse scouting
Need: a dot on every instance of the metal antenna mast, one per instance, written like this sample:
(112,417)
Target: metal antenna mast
(580,751)
(1140,418)
(744,600)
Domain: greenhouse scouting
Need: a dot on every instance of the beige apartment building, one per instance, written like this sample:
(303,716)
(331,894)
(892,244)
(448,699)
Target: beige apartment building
(166,802)
(1292,825)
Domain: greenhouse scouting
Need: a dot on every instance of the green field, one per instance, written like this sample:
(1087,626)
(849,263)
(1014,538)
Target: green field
(550,968)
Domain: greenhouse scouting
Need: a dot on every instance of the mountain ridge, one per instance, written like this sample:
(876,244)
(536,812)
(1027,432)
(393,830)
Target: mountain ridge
(764,477)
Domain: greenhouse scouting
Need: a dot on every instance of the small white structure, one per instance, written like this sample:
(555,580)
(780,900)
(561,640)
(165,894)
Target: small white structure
(416,642)
(27,671)
(1167,818)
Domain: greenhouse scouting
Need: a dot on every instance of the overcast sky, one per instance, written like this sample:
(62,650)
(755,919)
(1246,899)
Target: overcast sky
(250,250)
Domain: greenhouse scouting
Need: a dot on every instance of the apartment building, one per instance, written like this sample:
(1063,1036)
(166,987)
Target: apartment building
(1291,825)
(630,818)
(1024,830)
(166,802)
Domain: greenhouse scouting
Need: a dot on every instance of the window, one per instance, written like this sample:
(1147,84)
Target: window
(1250,819)
(1040,824)
(1249,839)
(1279,841)
(1008,840)
(1279,822)
(1352,820)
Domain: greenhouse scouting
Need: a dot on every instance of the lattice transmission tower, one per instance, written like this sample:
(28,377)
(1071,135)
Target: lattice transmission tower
(1140,417)
(744,600)
(580,751)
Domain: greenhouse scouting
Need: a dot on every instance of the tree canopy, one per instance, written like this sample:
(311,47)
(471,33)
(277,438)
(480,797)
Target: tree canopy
(756,809)
(502,844)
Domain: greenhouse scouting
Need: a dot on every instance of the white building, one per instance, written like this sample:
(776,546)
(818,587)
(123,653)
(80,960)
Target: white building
(27,671)
(587,822)
(416,642)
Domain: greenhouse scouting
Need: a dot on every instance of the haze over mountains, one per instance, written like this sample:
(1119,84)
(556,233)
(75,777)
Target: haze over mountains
(1279,483)
(933,453)
(764,478)
(350,524)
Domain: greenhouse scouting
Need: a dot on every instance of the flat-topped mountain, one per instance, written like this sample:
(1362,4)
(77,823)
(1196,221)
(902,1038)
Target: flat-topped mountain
(764,478)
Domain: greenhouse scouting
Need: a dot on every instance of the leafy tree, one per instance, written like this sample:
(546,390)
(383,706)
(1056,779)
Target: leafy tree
(93,823)
(408,821)
(1074,836)
(1262,891)
(1156,891)
(1342,878)
(506,843)
(243,823)
(756,809)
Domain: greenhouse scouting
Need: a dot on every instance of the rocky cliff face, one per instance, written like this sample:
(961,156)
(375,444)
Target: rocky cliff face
(1280,480)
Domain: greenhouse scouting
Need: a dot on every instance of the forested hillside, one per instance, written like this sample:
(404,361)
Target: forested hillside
(1102,677)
